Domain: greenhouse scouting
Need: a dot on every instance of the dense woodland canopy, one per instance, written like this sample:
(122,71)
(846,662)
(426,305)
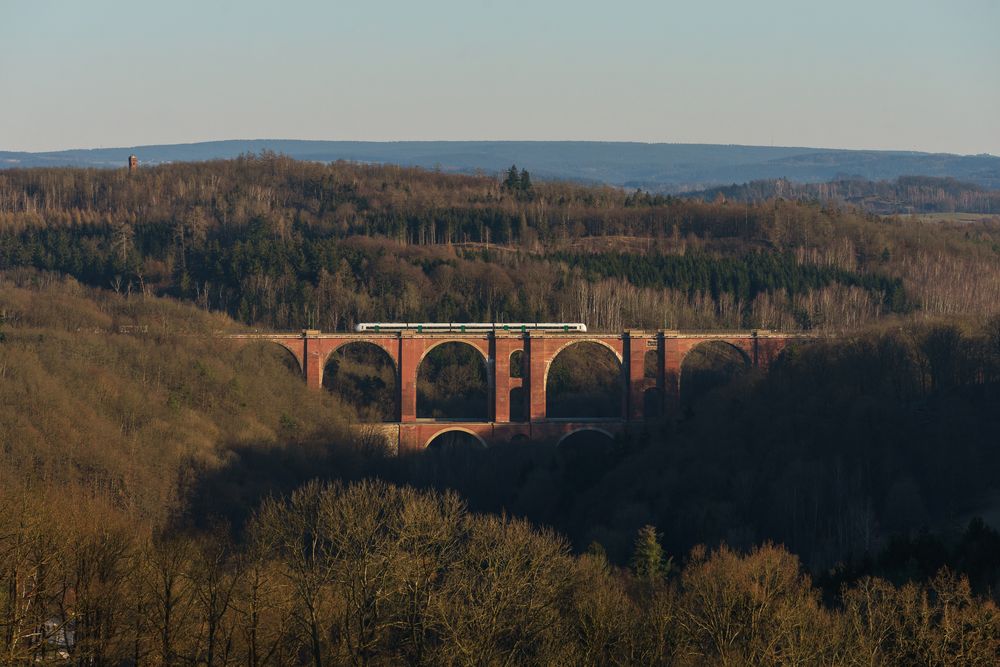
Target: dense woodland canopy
(287,244)
(376,574)
(155,496)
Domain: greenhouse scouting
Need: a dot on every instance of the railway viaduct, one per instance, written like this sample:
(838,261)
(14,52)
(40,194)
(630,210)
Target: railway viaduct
(650,365)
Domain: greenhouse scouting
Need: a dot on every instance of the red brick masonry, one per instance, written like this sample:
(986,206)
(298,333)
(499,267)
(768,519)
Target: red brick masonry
(312,348)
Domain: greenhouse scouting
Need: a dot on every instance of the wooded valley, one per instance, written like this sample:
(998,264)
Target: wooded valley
(167,498)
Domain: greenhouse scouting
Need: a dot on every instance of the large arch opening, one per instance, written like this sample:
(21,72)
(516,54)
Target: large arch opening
(363,376)
(584,381)
(268,356)
(787,354)
(455,440)
(452,384)
(455,459)
(707,367)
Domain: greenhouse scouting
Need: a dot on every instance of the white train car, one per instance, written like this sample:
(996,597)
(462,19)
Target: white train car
(470,327)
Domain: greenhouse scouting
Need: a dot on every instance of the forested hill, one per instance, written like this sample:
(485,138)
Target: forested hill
(906,194)
(155,489)
(155,497)
(282,243)
(654,167)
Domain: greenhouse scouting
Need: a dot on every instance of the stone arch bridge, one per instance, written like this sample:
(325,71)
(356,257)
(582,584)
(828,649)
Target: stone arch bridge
(646,386)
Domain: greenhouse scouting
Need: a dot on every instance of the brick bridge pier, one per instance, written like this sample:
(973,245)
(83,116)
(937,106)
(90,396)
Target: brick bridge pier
(650,366)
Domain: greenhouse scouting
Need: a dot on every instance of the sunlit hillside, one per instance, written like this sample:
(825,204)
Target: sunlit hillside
(121,395)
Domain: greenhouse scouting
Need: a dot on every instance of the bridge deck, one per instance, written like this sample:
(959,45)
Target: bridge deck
(583,335)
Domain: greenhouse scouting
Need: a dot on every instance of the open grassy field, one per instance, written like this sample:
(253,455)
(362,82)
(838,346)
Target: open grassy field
(968,218)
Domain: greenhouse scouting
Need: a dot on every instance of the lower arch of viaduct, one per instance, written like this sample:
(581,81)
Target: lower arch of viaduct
(313,348)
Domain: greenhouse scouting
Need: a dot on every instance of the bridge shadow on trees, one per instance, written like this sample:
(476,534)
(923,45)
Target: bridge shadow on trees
(584,382)
(708,367)
(452,384)
(254,471)
(584,457)
(363,376)
(454,460)
(842,445)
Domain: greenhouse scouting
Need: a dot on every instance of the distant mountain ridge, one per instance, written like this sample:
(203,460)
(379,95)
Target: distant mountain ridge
(654,167)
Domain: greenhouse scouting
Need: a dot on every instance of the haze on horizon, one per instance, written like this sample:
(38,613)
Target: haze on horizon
(890,75)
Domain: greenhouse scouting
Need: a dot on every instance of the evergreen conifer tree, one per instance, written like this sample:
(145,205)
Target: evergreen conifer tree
(647,559)
(513,180)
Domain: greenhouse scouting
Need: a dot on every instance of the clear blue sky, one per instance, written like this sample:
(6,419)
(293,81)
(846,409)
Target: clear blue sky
(901,74)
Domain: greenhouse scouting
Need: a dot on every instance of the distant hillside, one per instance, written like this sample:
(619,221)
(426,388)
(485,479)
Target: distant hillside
(906,194)
(654,167)
(284,243)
